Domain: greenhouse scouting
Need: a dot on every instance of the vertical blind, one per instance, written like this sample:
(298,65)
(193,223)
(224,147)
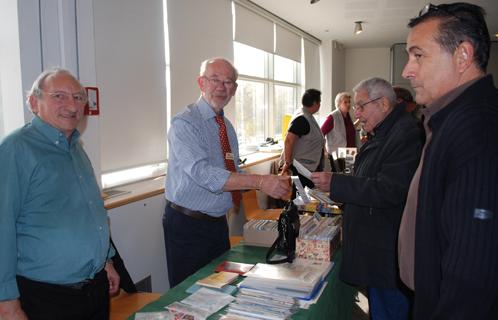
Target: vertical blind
(311,64)
(130,64)
(287,43)
(260,29)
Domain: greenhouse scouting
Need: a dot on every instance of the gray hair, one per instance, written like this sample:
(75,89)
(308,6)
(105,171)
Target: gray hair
(340,96)
(37,87)
(207,62)
(377,87)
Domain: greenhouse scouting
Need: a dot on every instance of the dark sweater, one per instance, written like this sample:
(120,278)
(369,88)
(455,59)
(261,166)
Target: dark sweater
(456,244)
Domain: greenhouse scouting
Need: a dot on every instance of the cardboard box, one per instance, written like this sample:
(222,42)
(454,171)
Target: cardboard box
(261,233)
(321,250)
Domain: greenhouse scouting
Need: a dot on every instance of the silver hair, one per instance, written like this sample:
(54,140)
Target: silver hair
(340,96)
(207,62)
(377,87)
(37,87)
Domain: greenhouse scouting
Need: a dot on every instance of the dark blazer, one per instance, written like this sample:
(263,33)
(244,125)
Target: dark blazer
(456,235)
(375,197)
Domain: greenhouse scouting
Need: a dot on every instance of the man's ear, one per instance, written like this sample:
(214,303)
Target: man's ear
(385,104)
(33,102)
(464,56)
(200,83)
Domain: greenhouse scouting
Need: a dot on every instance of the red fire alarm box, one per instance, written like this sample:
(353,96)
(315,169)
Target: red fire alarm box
(92,107)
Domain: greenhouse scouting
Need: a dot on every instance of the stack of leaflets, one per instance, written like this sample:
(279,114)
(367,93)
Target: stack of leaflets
(255,304)
(301,279)
(200,305)
(319,229)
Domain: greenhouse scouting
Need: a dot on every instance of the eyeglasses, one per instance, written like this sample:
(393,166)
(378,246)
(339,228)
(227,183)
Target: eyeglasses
(229,84)
(64,97)
(360,107)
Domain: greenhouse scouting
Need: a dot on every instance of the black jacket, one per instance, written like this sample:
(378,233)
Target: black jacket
(456,235)
(375,197)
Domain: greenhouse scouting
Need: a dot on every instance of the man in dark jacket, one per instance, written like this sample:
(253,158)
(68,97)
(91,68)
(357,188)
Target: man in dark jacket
(448,240)
(375,196)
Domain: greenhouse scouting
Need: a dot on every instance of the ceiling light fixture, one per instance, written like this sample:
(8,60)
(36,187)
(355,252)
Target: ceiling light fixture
(314,1)
(358,28)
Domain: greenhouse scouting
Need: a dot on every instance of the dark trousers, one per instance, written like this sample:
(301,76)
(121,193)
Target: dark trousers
(191,243)
(333,166)
(45,301)
(388,304)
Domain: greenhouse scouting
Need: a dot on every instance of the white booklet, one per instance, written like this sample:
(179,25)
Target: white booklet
(301,169)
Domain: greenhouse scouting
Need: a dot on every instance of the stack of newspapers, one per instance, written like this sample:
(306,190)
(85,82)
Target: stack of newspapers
(275,291)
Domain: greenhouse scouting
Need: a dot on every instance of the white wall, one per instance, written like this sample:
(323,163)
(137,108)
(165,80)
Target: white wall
(365,63)
(338,69)
(137,232)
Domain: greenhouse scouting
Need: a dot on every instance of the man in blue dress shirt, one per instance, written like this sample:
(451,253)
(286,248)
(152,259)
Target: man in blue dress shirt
(54,232)
(198,183)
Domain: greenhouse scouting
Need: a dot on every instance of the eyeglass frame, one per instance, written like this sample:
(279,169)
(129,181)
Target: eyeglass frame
(79,98)
(227,84)
(360,107)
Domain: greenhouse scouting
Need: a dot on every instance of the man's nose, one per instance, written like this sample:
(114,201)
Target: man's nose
(408,72)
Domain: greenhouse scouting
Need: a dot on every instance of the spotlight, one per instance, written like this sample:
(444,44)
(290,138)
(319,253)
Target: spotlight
(358,28)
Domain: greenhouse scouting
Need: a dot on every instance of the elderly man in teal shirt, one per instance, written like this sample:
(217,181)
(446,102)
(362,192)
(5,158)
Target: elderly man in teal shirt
(54,232)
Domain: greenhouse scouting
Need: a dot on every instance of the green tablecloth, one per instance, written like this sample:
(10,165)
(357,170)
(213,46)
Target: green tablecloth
(336,301)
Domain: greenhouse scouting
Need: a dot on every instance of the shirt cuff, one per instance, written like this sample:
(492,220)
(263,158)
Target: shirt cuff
(9,290)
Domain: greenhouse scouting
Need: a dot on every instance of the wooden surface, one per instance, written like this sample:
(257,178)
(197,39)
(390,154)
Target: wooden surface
(234,240)
(124,305)
(252,209)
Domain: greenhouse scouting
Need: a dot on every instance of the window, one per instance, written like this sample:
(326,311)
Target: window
(269,87)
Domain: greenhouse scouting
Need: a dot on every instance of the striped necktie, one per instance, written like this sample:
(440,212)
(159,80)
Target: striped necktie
(228,157)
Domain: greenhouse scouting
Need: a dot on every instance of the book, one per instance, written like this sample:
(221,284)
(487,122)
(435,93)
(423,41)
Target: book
(236,267)
(218,280)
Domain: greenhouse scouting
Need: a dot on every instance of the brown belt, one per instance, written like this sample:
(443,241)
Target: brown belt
(193,214)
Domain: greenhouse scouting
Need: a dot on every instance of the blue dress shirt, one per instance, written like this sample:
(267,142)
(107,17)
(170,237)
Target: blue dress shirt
(196,167)
(53,224)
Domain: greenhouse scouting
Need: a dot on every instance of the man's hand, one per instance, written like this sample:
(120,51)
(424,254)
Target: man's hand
(322,180)
(11,310)
(113,278)
(278,187)
(285,169)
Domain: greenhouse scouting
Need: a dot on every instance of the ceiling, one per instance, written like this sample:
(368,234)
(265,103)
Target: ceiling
(384,21)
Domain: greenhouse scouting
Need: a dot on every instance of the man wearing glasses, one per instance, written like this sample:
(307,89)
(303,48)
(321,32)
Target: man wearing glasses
(54,232)
(203,178)
(374,197)
(448,240)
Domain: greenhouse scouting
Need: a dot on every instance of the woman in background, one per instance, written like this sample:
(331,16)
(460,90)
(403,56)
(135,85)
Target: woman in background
(338,128)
